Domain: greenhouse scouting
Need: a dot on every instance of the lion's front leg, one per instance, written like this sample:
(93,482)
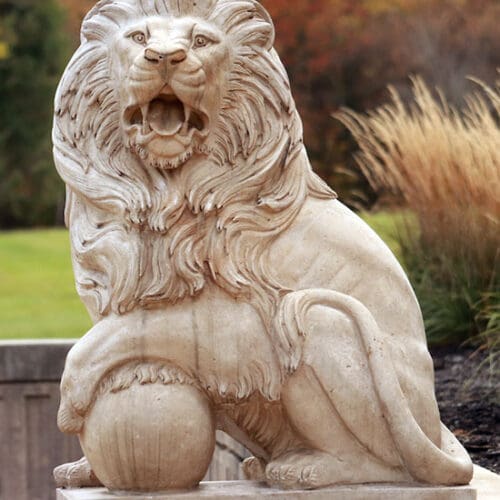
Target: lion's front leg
(89,359)
(114,341)
(76,475)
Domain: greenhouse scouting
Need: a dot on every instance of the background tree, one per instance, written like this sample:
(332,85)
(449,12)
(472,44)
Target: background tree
(34,51)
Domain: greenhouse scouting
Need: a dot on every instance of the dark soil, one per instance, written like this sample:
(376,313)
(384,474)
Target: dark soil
(468,393)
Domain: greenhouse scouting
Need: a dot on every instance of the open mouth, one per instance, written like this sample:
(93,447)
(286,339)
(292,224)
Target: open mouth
(166,116)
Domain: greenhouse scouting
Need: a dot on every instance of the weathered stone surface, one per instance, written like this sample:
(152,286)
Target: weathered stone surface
(218,268)
(236,490)
(485,485)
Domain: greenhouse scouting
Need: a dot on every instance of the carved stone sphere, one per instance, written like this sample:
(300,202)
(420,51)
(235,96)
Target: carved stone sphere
(150,437)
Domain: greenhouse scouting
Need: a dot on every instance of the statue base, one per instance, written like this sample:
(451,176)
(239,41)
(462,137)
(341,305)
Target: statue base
(236,490)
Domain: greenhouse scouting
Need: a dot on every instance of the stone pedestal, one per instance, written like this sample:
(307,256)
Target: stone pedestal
(236,490)
(484,486)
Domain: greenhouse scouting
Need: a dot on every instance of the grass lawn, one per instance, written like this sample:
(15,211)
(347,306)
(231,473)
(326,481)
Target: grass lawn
(37,291)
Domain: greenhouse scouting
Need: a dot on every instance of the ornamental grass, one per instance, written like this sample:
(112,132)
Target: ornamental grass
(443,165)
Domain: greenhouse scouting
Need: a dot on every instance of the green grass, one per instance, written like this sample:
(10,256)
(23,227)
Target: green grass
(37,291)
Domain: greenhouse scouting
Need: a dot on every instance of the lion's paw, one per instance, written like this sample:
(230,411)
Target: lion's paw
(254,469)
(301,469)
(76,475)
(68,420)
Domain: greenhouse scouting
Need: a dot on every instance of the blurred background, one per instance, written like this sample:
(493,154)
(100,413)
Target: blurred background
(339,54)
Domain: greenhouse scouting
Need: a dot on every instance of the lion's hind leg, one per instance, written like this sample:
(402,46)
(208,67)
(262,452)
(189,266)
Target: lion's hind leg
(334,453)
(332,403)
(302,469)
(346,399)
(254,469)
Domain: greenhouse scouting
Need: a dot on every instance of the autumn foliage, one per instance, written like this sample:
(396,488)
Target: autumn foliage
(345,53)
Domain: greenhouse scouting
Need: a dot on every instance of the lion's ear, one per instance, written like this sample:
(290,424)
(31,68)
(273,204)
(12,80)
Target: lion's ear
(247,21)
(266,26)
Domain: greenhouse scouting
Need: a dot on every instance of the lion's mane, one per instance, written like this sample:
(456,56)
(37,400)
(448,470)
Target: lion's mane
(143,236)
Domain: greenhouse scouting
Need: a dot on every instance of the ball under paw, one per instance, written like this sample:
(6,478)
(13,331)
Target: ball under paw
(151,437)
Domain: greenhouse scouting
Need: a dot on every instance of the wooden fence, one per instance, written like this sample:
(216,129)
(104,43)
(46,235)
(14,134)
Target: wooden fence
(31,445)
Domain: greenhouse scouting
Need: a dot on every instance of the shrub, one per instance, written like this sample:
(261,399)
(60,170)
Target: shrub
(444,166)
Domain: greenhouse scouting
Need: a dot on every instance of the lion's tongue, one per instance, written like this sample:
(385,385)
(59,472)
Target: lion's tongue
(166,118)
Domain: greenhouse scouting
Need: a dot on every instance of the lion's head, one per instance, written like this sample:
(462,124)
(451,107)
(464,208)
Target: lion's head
(177,135)
(171,74)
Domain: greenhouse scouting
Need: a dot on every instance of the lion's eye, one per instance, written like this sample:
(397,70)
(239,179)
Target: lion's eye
(139,37)
(201,41)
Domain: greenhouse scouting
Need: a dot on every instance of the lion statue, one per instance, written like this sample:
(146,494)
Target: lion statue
(228,287)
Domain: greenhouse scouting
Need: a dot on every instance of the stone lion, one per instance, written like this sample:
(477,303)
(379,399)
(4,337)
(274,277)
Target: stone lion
(214,262)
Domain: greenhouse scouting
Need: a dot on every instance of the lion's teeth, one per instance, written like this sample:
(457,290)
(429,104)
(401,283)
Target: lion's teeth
(145,111)
(187,116)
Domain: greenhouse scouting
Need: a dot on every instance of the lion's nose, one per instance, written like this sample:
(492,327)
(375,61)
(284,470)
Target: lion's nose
(170,57)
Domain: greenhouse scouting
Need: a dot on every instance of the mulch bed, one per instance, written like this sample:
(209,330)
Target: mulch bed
(468,393)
